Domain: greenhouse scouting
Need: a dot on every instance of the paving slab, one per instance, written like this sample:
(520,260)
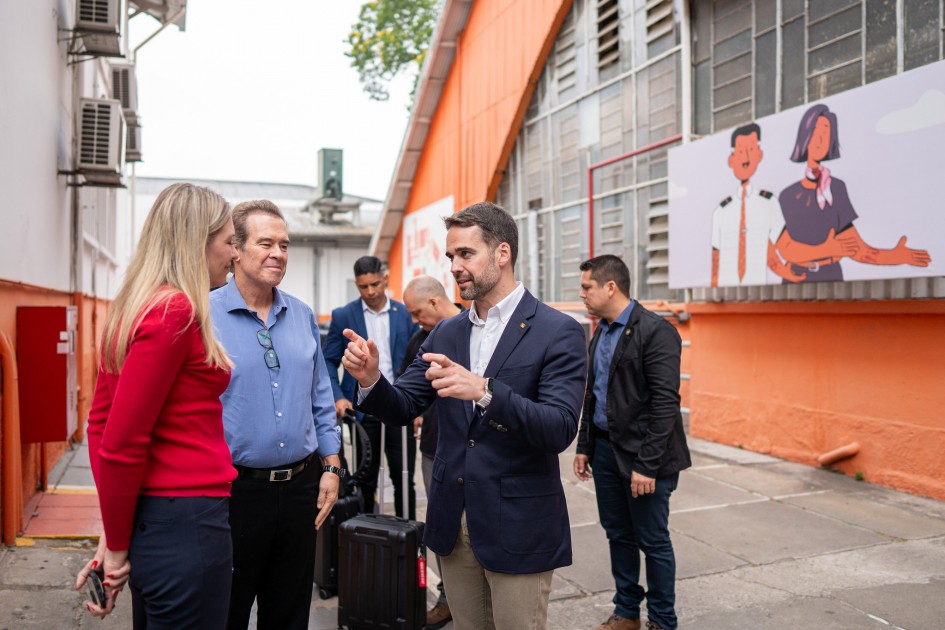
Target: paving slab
(696,491)
(728,453)
(582,502)
(759,480)
(892,563)
(908,606)
(36,589)
(577,614)
(723,593)
(694,557)
(590,571)
(770,531)
(865,511)
(822,614)
(701,461)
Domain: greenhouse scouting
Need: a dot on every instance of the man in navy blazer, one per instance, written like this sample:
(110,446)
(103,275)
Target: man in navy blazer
(510,376)
(388,322)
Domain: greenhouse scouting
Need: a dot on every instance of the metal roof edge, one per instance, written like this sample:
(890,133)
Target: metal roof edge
(433,75)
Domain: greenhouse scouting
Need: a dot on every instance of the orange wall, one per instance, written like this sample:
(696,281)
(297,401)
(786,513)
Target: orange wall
(499,57)
(798,379)
(39,459)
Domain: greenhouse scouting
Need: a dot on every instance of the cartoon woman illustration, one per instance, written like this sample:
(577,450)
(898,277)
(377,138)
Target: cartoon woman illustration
(819,215)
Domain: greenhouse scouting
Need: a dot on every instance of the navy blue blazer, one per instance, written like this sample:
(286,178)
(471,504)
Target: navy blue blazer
(351,315)
(500,465)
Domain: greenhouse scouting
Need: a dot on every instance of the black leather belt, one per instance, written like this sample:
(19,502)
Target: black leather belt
(602,435)
(274,474)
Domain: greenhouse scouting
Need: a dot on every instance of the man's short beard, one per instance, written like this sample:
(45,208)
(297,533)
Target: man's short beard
(479,287)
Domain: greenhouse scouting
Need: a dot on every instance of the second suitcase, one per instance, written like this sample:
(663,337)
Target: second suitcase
(382,568)
(326,543)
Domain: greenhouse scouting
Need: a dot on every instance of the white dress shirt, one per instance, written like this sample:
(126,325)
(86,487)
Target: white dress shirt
(378,329)
(486,332)
(484,336)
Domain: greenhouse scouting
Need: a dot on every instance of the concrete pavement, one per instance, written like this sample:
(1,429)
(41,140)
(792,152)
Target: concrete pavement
(760,543)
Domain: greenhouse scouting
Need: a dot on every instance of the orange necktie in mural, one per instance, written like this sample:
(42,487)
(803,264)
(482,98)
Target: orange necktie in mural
(741,239)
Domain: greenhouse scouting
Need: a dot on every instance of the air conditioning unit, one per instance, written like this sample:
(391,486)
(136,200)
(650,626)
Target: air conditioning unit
(97,15)
(125,88)
(97,28)
(101,141)
(133,146)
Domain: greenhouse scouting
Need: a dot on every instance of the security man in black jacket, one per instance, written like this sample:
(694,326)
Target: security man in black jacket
(632,437)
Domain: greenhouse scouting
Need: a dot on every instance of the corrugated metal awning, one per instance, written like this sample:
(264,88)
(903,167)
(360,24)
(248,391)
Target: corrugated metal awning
(433,75)
(163,10)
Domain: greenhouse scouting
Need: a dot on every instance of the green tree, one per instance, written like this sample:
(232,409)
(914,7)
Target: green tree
(390,36)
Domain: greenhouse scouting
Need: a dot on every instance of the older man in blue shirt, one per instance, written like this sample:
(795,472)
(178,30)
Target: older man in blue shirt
(279,419)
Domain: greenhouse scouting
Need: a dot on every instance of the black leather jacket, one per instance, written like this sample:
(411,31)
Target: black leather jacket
(643,416)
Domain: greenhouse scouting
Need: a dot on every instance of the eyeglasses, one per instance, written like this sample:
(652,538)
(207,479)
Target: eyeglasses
(270,356)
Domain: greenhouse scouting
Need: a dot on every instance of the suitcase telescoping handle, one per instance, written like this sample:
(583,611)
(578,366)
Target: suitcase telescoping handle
(381,473)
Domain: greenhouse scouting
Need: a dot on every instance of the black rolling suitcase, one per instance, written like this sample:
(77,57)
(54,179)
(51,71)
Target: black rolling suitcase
(326,543)
(349,504)
(382,568)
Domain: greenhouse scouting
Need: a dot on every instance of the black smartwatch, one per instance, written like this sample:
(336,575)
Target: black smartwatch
(341,472)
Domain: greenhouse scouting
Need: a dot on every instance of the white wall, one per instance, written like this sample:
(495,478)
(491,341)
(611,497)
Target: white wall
(335,280)
(38,94)
(299,273)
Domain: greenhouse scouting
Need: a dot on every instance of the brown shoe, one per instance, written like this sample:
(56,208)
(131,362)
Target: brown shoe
(616,622)
(652,625)
(438,616)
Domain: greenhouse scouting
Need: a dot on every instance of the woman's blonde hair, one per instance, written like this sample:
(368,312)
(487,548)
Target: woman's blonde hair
(171,255)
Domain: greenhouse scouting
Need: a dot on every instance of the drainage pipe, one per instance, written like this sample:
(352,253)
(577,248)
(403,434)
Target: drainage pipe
(834,456)
(12,489)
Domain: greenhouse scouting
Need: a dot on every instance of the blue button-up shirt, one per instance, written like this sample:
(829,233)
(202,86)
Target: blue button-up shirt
(280,415)
(603,356)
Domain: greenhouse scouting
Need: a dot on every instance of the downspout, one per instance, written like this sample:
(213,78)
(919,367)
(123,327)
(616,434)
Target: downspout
(12,467)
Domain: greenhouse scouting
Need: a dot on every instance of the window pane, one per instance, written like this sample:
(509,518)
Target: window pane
(880,39)
(921,32)
(835,81)
(835,26)
(790,8)
(837,52)
(765,15)
(703,97)
(817,9)
(792,64)
(765,71)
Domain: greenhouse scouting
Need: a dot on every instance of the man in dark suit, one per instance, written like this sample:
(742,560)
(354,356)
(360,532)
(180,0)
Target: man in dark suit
(632,437)
(510,378)
(389,324)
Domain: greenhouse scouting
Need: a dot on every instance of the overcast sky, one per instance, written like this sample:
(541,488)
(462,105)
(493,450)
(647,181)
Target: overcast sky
(253,88)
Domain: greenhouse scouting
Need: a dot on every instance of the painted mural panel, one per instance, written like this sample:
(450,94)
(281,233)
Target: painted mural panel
(424,238)
(845,188)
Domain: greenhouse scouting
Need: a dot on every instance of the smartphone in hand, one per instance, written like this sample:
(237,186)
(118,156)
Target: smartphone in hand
(96,589)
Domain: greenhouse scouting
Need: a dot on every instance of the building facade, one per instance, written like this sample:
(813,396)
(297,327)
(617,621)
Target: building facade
(69,126)
(551,108)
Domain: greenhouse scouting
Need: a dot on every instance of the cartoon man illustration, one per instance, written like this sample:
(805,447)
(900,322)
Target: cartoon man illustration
(747,225)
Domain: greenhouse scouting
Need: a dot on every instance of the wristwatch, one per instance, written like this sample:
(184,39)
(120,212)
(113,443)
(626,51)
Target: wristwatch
(483,402)
(341,472)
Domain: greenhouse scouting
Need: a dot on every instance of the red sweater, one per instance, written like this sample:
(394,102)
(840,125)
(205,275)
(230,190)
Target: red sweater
(156,427)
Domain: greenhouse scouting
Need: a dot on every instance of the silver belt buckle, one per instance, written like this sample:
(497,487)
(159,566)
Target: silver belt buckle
(280,475)
(814,266)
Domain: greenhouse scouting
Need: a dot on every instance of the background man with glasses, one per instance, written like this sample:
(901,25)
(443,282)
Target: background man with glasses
(279,420)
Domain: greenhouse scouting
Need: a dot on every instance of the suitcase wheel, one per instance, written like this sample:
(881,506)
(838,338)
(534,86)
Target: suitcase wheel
(324,593)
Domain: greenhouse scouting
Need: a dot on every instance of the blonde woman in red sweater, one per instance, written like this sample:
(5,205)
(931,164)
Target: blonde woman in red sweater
(161,464)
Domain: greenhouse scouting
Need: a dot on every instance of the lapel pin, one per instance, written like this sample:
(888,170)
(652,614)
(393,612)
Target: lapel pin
(522,325)
(629,332)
